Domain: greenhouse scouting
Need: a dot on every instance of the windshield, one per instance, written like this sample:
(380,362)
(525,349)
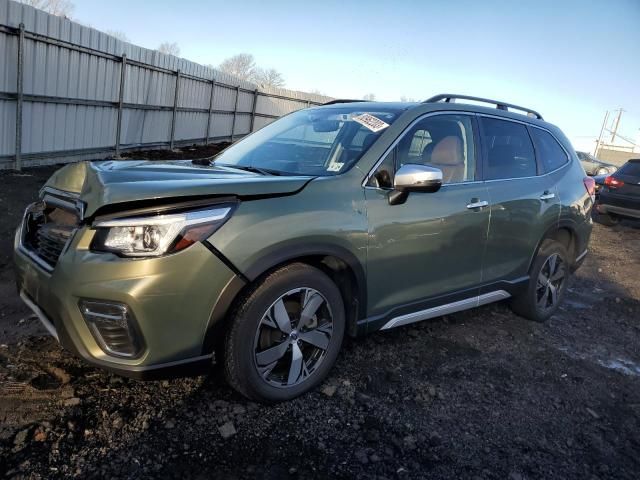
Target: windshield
(320,141)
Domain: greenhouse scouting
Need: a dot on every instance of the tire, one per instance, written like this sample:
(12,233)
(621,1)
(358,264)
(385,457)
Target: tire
(267,324)
(607,219)
(531,302)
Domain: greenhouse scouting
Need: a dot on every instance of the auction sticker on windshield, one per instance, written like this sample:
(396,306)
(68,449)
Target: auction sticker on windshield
(372,123)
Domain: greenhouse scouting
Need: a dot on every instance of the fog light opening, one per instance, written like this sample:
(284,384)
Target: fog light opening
(113,326)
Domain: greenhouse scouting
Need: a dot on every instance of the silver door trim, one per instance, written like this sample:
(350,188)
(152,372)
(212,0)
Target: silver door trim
(582,255)
(447,308)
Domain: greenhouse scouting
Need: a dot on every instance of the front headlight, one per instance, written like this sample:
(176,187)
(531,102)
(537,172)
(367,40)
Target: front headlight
(157,235)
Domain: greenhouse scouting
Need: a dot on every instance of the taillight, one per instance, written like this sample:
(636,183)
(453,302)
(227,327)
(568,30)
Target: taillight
(590,185)
(613,182)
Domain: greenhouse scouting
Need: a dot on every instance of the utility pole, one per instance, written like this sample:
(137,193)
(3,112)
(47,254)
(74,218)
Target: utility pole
(615,126)
(599,142)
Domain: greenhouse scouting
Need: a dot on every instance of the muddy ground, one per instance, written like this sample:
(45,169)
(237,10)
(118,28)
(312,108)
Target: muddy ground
(478,394)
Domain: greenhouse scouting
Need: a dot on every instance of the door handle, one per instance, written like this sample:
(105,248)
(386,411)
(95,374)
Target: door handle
(547,196)
(478,204)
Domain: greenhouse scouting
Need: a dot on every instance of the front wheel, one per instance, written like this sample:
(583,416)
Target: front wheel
(286,334)
(547,285)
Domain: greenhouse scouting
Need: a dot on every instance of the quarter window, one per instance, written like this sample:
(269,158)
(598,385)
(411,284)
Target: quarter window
(509,149)
(548,150)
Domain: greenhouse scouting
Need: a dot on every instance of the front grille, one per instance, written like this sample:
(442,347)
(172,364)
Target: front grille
(47,230)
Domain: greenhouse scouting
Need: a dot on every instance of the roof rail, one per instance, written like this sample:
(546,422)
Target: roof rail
(343,100)
(452,97)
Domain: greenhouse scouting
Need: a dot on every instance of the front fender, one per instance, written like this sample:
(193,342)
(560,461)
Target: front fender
(327,218)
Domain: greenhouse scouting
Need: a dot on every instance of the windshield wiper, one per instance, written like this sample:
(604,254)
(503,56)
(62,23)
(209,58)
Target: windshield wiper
(251,168)
(207,161)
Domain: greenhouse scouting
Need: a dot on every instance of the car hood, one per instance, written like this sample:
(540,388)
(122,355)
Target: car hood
(102,183)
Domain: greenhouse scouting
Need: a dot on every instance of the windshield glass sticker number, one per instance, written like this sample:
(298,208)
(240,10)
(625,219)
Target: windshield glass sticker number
(335,167)
(372,123)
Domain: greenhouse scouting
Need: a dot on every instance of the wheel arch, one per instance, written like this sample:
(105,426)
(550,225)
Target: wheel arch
(564,233)
(338,263)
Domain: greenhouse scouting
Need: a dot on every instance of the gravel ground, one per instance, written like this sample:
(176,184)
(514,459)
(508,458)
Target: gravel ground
(478,394)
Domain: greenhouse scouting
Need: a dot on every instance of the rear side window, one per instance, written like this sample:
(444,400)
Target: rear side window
(549,151)
(509,149)
(630,168)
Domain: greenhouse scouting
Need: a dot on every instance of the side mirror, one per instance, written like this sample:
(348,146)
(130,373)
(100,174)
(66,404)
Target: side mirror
(413,177)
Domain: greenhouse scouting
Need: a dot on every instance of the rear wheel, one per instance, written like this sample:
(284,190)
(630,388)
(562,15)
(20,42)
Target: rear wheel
(547,285)
(607,219)
(285,335)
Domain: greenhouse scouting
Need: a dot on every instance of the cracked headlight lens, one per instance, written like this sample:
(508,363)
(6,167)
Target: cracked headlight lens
(157,235)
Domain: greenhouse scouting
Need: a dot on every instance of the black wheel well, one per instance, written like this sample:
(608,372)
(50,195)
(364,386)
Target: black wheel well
(564,235)
(343,275)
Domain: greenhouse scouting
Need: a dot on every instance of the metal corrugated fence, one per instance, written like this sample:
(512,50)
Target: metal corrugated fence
(69,93)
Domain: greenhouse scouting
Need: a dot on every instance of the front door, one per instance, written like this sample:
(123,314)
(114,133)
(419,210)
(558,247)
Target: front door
(433,244)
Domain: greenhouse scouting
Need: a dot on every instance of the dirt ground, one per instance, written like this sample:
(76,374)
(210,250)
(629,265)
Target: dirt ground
(478,394)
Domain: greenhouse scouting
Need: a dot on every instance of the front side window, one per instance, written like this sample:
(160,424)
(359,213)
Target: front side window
(321,141)
(548,150)
(509,149)
(441,141)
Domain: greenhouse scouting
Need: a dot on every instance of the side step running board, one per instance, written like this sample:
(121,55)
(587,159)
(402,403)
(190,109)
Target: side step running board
(447,308)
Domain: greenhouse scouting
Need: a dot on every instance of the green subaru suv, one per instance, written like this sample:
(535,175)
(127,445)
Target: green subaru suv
(335,220)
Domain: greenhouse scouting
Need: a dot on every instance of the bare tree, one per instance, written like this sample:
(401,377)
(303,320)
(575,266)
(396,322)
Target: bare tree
(370,97)
(170,48)
(119,34)
(241,66)
(60,8)
(268,77)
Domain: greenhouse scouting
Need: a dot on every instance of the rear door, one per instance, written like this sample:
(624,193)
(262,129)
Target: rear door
(524,199)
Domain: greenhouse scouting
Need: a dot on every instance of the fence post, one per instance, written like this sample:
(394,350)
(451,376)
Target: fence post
(253,110)
(123,69)
(175,109)
(211,99)
(19,97)
(235,113)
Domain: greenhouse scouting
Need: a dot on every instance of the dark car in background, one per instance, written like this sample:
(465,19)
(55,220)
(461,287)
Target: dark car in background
(620,195)
(599,179)
(594,166)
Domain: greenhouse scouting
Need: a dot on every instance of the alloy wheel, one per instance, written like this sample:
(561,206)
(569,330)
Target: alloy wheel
(550,282)
(292,337)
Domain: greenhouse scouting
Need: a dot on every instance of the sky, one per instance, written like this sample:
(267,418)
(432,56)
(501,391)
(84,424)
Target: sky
(569,60)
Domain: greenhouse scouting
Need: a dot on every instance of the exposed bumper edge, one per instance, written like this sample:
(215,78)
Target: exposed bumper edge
(48,324)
